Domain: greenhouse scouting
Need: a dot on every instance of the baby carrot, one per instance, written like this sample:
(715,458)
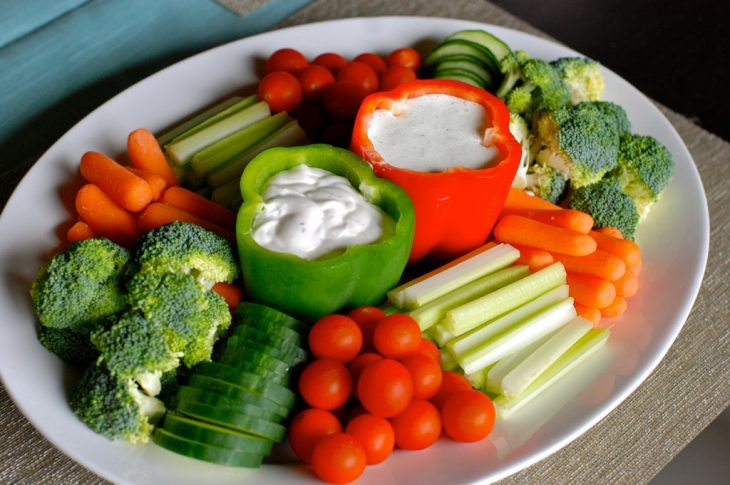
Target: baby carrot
(80,231)
(591,291)
(566,218)
(158,214)
(611,231)
(600,264)
(623,248)
(122,186)
(105,217)
(230,292)
(198,205)
(521,230)
(157,183)
(628,285)
(589,313)
(615,309)
(519,199)
(146,154)
(536,259)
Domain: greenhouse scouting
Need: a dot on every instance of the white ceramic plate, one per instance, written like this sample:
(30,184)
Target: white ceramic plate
(674,240)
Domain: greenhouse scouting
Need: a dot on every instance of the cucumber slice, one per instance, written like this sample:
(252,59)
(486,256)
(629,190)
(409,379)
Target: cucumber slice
(238,394)
(210,434)
(290,355)
(249,313)
(459,47)
(467,63)
(273,376)
(250,403)
(460,75)
(203,452)
(235,356)
(248,381)
(495,45)
(234,420)
(270,333)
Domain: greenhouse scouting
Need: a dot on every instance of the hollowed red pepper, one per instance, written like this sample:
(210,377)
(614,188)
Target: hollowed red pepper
(455,208)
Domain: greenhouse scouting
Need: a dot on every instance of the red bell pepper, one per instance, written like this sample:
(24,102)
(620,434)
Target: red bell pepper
(456,208)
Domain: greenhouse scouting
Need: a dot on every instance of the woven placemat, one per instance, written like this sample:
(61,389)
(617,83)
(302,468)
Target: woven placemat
(689,388)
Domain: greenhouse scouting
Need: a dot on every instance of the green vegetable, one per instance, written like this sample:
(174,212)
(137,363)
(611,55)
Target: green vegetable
(616,114)
(580,142)
(546,182)
(582,76)
(360,275)
(214,435)
(608,205)
(237,421)
(645,168)
(72,347)
(115,407)
(521,131)
(205,452)
(530,85)
(197,121)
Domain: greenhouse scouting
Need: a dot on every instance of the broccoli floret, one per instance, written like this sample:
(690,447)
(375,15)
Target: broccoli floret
(72,347)
(192,316)
(181,247)
(134,347)
(170,383)
(546,182)
(519,129)
(511,68)
(580,142)
(608,204)
(115,407)
(645,168)
(81,285)
(530,85)
(616,114)
(582,77)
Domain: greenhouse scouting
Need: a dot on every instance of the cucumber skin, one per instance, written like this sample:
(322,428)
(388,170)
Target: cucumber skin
(254,405)
(248,381)
(232,391)
(236,421)
(200,451)
(212,435)
(249,313)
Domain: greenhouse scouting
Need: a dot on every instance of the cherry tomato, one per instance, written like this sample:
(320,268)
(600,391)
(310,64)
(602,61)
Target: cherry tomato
(394,76)
(311,118)
(337,134)
(281,91)
(289,60)
(325,384)
(342,100)
(425,373)
(451,382)
(366,317)
(314,79)
(385,388)
(418,427)
(396,336)
(338,458)
(428,348)
(405,57)
(308,427)
(358,364)
(375,435)
(335,337)
(372,60)
(468,416)
(330,61)
(361,74)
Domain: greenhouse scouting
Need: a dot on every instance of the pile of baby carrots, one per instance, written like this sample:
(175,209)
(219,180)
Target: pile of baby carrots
(603,267)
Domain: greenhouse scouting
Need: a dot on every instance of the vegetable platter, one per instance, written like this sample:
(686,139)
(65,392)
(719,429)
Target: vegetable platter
(674,241)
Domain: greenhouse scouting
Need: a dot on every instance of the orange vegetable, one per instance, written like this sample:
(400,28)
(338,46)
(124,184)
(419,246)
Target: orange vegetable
(536,259)
(589,313)
(611,231)
(628,285)
(80,231)
(122,186)
(591,291)
(566,218)
(519,199)
(146,154)
(230,292)
(105,217)
(599,263)
(158,214)
(157,183)
(521,230)
(623,248)
(199,206)
(615,309)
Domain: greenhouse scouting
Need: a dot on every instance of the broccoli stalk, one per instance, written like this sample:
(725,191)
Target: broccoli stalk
(582,77)
(519,129)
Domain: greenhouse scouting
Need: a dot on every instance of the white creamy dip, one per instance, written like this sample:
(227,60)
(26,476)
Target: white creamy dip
(431,133)
(310,212)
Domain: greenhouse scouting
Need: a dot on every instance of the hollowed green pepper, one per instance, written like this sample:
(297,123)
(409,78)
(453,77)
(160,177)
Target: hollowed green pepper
(310,289)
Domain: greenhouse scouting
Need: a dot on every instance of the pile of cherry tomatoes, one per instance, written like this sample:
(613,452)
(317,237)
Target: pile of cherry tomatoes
(376,384)
(325,94)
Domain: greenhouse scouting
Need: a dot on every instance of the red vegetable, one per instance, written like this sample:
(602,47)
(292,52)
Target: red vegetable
(281,91)
(308,427)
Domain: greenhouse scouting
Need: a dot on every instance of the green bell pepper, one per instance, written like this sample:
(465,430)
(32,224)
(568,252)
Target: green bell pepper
(310,289)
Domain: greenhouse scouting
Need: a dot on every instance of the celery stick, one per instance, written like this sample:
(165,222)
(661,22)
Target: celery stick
(236,144)
(476,379)
(193,181)
(434,311)
(197,120)
(182,148)
(497,372)
(288,135)
(519,378)
(228,195)
(447,361)
(464,270)
(472,314)
(480,335)
(180,171)
(440,335)
(589,343)
(518,336)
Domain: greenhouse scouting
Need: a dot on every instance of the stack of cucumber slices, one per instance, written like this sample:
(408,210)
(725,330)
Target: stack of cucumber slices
(470,56)
(231,411)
